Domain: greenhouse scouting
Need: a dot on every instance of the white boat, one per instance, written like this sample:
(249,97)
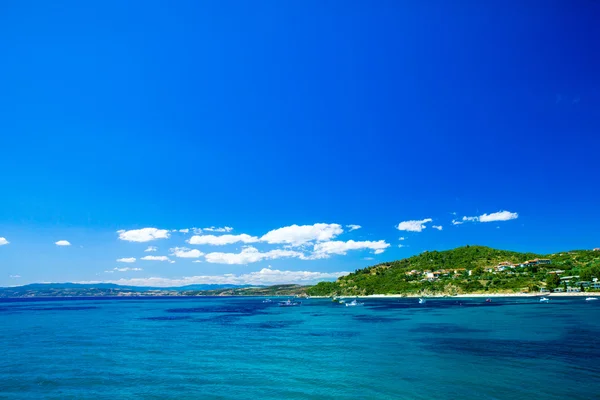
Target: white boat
(422,300)
(591,298)
(544,300)
(267,301)
(289,303)
(354,303)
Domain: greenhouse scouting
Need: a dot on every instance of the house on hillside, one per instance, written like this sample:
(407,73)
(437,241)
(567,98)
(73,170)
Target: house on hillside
(568,279)
(536,261)
(432,275)
(597,249)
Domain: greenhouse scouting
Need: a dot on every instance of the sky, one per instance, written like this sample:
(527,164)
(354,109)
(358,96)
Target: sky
(171,143)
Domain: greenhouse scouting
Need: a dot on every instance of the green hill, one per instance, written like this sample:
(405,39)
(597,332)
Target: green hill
(469,269)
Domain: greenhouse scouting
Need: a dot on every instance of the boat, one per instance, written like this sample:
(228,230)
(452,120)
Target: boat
(354,303)
(488,300)
(289,303)
(544,300)
(337,300)
(422,300)
(267,301)
(591,298)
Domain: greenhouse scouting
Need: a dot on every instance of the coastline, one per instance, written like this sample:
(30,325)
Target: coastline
(468,295)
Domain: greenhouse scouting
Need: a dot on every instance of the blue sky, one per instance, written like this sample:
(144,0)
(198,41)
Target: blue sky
(259,116)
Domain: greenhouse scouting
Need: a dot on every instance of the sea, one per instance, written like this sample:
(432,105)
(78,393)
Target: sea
(244,348)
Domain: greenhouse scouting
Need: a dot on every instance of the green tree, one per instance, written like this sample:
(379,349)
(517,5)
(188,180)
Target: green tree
(552,281)
(586,274)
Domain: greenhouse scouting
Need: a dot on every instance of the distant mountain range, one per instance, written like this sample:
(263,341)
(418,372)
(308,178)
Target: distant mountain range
(70,285)
(69,289)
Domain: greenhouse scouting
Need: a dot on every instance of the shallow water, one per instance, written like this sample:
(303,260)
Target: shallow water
(240,348)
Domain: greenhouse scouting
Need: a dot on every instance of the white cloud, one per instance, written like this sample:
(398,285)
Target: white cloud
(123,270)
(414,225)
(353,227)
(493,217)
(222,240)
(323,250)
(171,262)
(297,235)
(455,222)
(143,235)
(249,255)
(438,227)
(62,243)
(14,276)
(196,261)
(155,258)
(401,238)
(184,252)
(126,260)
(265,276)
(498,216)
(184,230)
(402,245)
(151,248)
(3,241)
(223,229)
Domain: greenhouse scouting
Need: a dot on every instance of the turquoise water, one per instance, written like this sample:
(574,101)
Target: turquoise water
(241,348)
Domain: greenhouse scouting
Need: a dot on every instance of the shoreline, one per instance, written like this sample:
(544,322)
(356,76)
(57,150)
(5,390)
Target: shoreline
(466,295)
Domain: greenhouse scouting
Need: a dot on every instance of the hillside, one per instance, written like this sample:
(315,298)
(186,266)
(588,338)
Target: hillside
(468,269)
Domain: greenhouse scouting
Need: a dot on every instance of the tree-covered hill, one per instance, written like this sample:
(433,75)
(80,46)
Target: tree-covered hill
(466,269)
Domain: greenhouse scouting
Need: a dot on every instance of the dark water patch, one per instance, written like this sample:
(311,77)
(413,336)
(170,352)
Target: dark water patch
(377,318)
(319,315)
(220,319)
(577,347)
(444,328)
(246,311)
(276,324)
(343,334)
(81,308)
(168,318)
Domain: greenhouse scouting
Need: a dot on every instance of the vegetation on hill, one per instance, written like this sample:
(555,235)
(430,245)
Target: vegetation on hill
(469,269)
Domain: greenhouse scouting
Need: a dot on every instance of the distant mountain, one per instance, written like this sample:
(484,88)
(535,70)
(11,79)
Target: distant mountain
(103,289)
(70,285)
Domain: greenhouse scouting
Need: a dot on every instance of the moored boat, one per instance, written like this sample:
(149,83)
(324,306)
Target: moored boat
(354,303)
(289,303)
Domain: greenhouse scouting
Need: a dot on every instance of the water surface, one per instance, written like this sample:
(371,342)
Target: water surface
(240,348)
